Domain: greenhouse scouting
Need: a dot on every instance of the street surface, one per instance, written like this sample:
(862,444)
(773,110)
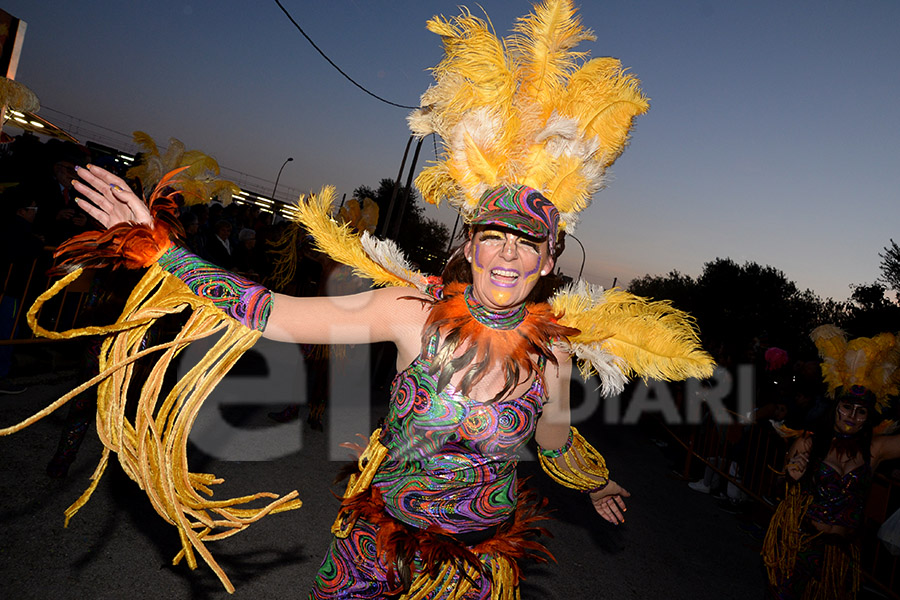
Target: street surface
(676,543)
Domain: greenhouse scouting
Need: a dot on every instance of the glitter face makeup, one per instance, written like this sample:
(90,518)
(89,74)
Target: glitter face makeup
(850,417)
(505,266)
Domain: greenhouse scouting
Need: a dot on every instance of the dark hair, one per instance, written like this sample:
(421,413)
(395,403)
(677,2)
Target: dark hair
(458,269)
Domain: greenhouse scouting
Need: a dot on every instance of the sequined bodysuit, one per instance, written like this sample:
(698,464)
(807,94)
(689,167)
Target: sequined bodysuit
(452,459)
(840,499)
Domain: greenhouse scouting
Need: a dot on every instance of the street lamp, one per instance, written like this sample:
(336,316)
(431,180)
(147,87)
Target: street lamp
(290,158)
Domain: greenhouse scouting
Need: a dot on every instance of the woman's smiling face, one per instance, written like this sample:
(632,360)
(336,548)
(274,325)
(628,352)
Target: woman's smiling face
(505,266)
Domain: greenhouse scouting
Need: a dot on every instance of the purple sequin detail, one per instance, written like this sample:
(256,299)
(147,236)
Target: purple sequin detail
(239,298)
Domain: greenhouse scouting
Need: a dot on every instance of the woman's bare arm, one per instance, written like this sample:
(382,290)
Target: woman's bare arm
(381,315)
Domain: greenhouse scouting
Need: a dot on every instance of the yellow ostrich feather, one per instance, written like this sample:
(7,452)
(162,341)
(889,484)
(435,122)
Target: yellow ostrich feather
(483,160)
(651,339)
(475,64)
(435,183)
(543,43)
(338,240)
(470,108)
(604,100)
(570,185)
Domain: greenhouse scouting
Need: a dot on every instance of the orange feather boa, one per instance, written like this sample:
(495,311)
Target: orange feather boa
(514,350)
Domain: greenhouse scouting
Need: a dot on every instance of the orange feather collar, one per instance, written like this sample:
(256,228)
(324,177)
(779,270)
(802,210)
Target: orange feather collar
(516,350)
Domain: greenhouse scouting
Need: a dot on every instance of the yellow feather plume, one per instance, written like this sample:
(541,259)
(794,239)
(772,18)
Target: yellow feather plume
(543,43)
(339,240)
(604,100)
(650,339)
(528,109)
(570,185)
(869,362)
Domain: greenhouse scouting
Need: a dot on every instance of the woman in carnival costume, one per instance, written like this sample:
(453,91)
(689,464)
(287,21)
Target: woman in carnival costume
(811,549)
(484,357)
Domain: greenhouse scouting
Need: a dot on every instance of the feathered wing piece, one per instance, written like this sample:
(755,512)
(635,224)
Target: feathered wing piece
(524,110)
(200,182)
(378,260)
(623,335)
(868,362)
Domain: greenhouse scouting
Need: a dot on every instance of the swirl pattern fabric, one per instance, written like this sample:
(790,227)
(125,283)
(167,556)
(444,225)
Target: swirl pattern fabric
(247,302)
(353,569)
(452,460)
(840,499)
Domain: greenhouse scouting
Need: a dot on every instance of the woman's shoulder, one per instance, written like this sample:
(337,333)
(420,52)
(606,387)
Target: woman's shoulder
(403,305)
(403,298)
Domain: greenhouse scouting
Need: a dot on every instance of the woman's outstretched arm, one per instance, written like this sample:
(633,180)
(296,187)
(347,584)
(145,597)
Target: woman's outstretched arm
(373,316)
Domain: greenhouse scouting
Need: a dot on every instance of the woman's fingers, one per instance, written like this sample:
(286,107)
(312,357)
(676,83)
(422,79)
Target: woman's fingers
(611,511)
(612,506)
(98,198)
(101,216)
(103,175)
(109,200)
(139,211)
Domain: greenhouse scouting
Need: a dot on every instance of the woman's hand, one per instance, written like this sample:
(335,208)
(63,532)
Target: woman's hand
(111,200)
(609,504)
(796,465)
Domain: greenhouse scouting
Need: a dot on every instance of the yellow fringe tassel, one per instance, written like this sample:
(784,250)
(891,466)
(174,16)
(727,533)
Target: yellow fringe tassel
(783,538)
(585,468)
(453,584)
(153,449)
(368,461)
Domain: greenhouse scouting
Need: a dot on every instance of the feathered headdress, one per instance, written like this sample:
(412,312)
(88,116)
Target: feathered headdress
(871,363)
(527,109)
(200,180)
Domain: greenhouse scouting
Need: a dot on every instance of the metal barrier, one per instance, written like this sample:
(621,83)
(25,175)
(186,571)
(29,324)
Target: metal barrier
(759,452)
(58,314)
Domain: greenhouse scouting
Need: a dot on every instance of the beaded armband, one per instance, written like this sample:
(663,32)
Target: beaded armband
(576,465)
(239,298)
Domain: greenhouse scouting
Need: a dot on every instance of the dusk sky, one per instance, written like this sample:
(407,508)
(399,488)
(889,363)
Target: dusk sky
(773,134)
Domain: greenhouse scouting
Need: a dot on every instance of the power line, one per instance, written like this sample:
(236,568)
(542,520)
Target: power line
(331,62)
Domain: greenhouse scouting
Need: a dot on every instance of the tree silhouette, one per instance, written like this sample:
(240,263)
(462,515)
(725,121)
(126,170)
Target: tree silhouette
(870,312)
(743,308)
(422,239)
(890,266)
